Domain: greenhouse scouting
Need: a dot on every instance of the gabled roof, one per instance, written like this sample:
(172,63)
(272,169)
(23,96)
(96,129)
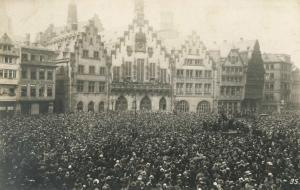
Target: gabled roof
(275,58)
(5,39)
(226,47)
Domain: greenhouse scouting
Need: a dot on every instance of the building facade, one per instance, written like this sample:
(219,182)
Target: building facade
(278,82)
(9,75)
(141,72)
(194,77)
(232,72)
(36,92)
(295,92)
(81,66)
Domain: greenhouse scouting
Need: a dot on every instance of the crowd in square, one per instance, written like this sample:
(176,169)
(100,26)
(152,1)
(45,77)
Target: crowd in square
(147,150)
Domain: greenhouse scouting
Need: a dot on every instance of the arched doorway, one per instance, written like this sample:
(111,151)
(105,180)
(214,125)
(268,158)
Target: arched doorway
(101,107)
(80,106)
(121,104)
(145,103)
(203,107)
(182,106)
(91,106)
(162,104)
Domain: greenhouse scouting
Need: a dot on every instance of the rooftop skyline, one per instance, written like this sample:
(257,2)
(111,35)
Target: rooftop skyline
(272,22)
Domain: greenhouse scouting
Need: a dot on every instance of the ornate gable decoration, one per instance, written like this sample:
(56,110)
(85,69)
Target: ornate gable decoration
(140,42)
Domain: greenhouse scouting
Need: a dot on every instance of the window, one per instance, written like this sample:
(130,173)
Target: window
(127,71)
(42,58)
(50,75)
(271,76)
(180,73)
(102,71)
(49,91)
(42,74)
(7,59)
(10,74)
(91,86)
(188,88)
(24,57)
(207,74)
(272,66)
(163,75)
(91,70)
(96,54)
(140,69)
(32,91)
(179,88)
(42,91)
(198,74)
(80,86)
(1,73)
(207,88)
(152,70)
(5,74)
(24,91)
(80,69)
(33,74)
(85,53)
(198,88)
(116,73)
(24,73)
(189,73)
(102,87)
(32,57)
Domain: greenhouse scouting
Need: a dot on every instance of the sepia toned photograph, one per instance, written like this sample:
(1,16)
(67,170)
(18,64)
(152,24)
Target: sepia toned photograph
(149,94)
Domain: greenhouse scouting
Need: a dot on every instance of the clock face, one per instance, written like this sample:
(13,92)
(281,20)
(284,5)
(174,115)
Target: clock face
(140,46)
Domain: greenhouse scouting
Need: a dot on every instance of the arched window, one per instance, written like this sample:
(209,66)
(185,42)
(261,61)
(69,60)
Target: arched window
(182,106)
(80,106)
(101,107)
(145,103)
(121,104)
(162,104)
(91,106)
(203,107)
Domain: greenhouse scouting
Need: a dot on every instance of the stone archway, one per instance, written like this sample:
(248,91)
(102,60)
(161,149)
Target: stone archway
(80,106)
(91,106)
(145,103)
(101,107)
(182,106)
(121,104)
(162,104)
(203,107)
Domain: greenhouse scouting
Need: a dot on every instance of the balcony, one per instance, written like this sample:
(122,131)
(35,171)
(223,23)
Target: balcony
(12,53)
(38,63)
(142,87)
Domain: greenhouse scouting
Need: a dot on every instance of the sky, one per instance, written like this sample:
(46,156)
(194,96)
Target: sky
(275,23)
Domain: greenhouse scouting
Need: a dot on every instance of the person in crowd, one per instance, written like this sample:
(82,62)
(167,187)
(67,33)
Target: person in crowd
(94,151)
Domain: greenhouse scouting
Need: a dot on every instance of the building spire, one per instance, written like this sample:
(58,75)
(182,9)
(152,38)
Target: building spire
(256,54)
(72,21)
(139,10)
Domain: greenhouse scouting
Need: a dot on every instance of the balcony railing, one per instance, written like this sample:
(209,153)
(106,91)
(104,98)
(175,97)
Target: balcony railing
(140,86)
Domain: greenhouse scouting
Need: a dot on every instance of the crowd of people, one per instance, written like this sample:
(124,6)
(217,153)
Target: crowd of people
(94,151)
